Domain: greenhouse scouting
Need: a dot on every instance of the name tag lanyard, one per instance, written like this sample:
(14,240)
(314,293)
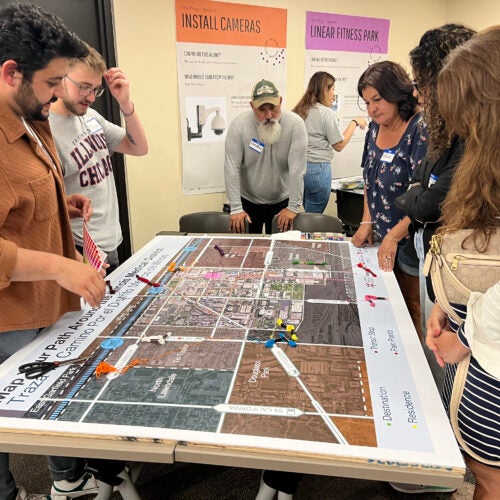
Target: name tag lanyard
(39,142)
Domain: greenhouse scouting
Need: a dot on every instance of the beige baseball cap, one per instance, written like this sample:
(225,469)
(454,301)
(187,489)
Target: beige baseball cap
(265,92)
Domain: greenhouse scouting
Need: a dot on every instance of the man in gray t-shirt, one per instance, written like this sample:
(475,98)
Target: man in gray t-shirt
(265,163)
(85,142)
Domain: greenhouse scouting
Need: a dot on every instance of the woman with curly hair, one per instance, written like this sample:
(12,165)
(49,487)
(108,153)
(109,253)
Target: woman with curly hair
(426,60)
(428,188)
(469,101)
(432,179)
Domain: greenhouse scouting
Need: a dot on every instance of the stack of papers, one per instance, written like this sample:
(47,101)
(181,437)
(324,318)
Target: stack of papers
(356,184)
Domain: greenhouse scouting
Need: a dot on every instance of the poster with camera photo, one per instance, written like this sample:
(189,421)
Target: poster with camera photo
(222,50)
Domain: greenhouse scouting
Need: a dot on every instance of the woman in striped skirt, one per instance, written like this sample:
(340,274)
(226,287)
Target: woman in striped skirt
(469,100)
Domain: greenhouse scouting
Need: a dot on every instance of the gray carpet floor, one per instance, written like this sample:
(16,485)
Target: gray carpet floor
(207,482)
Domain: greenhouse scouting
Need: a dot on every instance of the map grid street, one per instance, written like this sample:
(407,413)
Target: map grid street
(211,356)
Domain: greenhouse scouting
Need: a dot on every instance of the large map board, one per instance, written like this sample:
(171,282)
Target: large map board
(208,374)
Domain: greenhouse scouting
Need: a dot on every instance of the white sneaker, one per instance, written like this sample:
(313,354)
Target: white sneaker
(46,497)
(421,488)
(86,485)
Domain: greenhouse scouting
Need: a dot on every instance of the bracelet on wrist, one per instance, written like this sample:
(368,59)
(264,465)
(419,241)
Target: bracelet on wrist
(366,222)
(128,114)
(355,122)
(389,237)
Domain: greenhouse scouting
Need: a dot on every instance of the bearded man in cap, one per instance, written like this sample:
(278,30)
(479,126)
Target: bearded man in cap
(265,163)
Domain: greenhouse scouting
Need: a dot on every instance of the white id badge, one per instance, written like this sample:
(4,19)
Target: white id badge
(93,125)
(388,156)
(256,145)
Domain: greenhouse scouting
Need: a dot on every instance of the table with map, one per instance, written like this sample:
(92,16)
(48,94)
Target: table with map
(198,342)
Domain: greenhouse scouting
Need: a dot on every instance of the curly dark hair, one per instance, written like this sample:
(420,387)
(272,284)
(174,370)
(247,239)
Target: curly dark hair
(33,37)
(393,84)
(427,59)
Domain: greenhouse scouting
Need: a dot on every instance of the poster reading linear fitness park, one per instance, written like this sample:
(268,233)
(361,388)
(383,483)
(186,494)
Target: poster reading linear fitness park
(301,345)
(345,46)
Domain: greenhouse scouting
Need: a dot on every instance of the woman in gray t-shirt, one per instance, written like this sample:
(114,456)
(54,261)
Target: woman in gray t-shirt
(324,136)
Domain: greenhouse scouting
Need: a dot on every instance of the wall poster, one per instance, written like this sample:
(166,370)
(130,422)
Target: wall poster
(222,50)
(345,46)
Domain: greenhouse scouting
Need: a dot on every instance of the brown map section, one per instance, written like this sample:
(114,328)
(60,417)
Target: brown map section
(231,303)
(336,377)
(306,427)
(357,431)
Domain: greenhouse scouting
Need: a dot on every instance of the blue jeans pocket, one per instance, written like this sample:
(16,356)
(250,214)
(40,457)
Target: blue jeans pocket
(317,186)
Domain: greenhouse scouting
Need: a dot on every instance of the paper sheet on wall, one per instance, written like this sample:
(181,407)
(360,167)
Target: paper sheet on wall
(222,50)
(345,46)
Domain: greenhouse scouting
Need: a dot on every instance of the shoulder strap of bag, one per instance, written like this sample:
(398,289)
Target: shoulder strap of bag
(456,396)
(437,284)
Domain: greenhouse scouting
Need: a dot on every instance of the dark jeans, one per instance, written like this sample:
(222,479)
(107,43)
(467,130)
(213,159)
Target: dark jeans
(60,467)
(287,482)
(262,215)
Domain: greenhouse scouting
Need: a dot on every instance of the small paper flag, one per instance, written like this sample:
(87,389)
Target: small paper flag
(91,252)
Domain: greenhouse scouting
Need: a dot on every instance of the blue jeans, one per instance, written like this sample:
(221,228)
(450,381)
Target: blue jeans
(317,186)
(426,307)
(60,467)
(425,303)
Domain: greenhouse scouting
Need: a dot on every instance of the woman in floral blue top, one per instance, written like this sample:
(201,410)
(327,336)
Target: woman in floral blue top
(395,144)
(386,178)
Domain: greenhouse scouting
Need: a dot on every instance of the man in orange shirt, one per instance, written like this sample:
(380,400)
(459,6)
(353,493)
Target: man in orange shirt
(41,275)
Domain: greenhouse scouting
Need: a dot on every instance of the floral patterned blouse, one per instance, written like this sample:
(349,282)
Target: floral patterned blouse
(387,173)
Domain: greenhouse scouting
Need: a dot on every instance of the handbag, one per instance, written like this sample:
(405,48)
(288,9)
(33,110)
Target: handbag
(456,269)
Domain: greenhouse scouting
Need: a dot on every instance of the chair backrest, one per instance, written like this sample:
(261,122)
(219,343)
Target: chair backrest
(350,206)
(307,222)
(205,222)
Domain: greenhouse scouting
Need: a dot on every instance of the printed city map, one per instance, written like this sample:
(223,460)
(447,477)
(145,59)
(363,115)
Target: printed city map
(216,339)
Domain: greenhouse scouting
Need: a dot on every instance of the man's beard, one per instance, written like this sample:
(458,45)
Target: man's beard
(30,106)
(269,131)
(73,107)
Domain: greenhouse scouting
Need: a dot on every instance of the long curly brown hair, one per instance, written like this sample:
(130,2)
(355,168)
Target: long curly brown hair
(427,59)
(469,100)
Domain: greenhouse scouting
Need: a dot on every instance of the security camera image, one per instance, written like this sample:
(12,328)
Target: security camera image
(205,119)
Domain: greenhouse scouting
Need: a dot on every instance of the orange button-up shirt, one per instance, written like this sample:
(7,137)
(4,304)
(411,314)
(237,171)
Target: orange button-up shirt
(33,215)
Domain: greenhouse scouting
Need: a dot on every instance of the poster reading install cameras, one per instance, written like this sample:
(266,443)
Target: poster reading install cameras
(345,46)
(222,50)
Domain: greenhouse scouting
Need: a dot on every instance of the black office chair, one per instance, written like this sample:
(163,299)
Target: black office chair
(311,222)
(205,222)
(350,206)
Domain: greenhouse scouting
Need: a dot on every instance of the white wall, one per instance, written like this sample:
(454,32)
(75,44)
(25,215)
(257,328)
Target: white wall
(478,14)
(145,39)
